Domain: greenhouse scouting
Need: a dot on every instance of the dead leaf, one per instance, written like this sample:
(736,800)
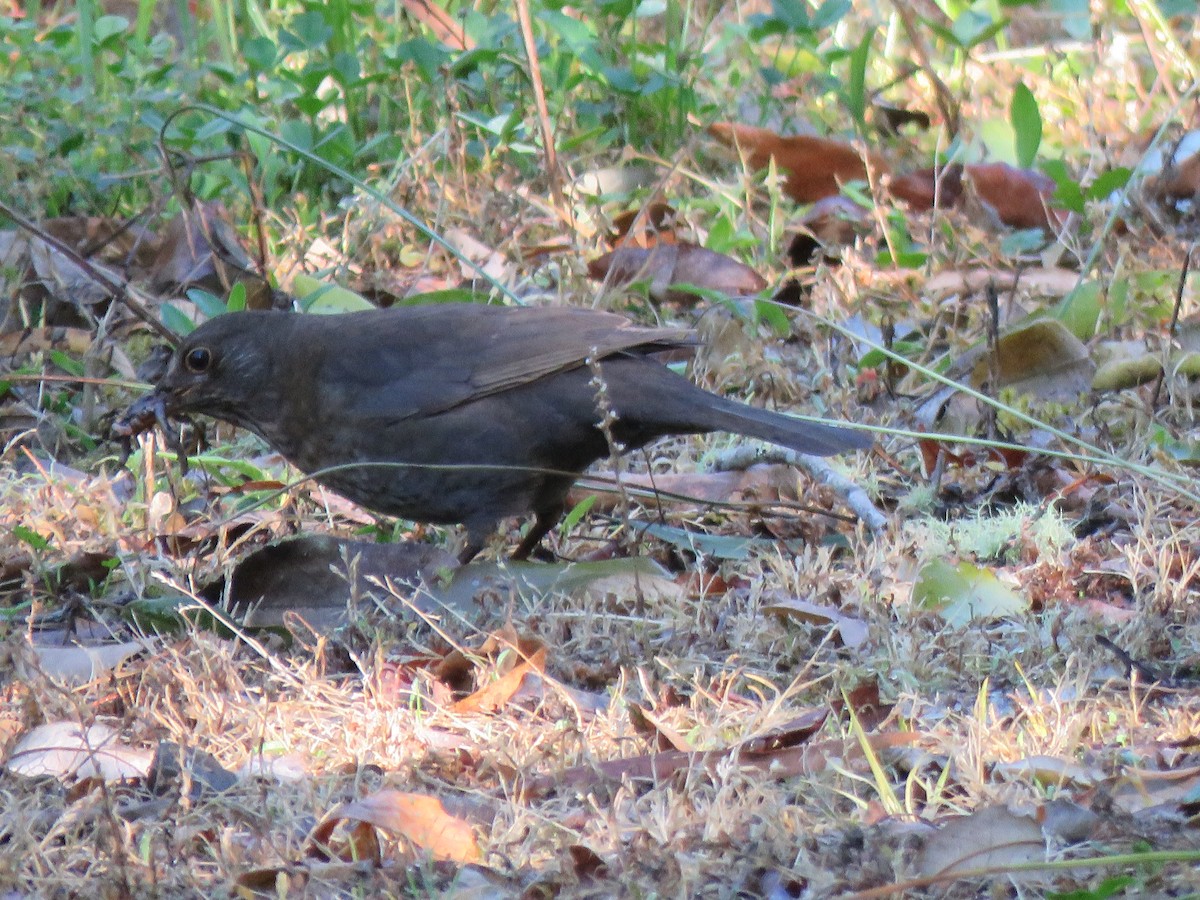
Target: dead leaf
(853,632)
(668,265)
(444,26)
(760,483)
(648,725)
(816,167)
(1048,770)
(646,226)
(1178,180)
(81,664)
(199,248)
(421,821)
(1019,197)
(1040,358)
(922,189)
(992,837)
(1140,789)
(1040,282)
(67,750)
(500,692)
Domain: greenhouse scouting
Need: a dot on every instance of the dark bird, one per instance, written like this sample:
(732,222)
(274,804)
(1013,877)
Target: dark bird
(455,413)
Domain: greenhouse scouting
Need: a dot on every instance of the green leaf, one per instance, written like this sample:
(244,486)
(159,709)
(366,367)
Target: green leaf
(792,14)
(320,297)
(260,54)
(1026,123)
(109,26)
(773,315)
(174,319)
(830,13)
(209,304)
(575,516)
(1067,192)
(312,31)
(1107,182)
(237,298)
(973,27)
(856,93)
(68,364)
(964,593)
(1080,310)
(449,295)
(30,537)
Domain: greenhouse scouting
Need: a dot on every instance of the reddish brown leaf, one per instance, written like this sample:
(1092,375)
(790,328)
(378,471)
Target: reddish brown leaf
(648,725)
(921,188)
(644,227)
(495,695)
(422,821)
(1018,196)
(816,167)
(666,265)
(586,862)
(1176,182)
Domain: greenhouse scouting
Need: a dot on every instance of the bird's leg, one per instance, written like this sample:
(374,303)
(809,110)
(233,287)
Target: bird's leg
(543,521)
(475,543)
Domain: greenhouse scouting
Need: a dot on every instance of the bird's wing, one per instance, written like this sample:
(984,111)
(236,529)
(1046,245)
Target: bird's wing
(420,361)
(524,351)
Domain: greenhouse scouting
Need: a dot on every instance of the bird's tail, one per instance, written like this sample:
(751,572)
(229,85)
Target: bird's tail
(786,431)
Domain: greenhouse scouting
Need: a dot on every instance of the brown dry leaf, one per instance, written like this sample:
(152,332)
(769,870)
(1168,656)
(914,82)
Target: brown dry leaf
(59,276)
(485,258)
(922,189)
(1139,789)
(991,837)
(77,665)
(1019,197)
(586,863)
(1177,181)
(75,341)
(201,249)
(97,237)
(853,631)
(67,750)
(1040,282)
(648,725)
(1048,770)
(644,227)
(1041,358)
(1109,613)
(667,265)
(421,821)
(500,692)
(816,167)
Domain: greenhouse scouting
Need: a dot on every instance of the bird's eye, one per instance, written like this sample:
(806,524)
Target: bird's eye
(198,360)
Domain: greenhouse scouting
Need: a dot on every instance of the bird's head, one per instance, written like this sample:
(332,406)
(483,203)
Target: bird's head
(225,369)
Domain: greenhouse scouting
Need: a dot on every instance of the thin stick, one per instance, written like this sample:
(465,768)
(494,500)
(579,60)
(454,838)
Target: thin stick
(539,99)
